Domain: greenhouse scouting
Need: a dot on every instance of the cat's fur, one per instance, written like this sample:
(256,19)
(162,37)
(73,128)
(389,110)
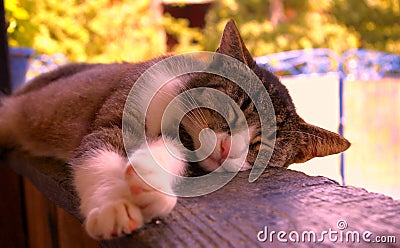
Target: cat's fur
(74,113)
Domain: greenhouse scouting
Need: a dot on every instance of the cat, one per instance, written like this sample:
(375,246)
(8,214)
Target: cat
(74,113)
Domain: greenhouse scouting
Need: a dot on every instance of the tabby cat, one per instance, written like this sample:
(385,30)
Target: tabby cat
(75,114)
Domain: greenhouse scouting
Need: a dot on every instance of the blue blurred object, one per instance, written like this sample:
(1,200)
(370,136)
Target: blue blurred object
(298,62)
(360,64)
(19,63)
(43,63)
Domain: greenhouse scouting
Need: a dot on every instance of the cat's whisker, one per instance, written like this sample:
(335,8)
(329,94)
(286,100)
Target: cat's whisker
(172,95)
(193,101)
(196,119)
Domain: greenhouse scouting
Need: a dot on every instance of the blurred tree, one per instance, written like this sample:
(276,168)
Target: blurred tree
(299,25)
(377,22)
(133,30)
(189,38)
(19,28)
(95,30)
(277,12)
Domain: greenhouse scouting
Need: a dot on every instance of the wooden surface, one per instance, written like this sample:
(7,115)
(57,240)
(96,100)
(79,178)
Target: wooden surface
(49,225)
(40,218)
(12,218)
(283,200)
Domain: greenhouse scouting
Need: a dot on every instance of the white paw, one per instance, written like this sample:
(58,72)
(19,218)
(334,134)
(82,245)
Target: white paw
(116,200)
(113,220)
(150,201)
(140,204)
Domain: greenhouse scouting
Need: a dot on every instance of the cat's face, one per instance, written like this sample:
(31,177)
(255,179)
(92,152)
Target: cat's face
(295,140)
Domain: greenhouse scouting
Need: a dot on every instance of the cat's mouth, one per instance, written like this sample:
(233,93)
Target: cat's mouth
(210,164)
(229,154)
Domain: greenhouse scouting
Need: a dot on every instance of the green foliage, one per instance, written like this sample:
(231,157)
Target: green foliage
(129,30)
(95,30)
(19,28)
(335,24)
(305,26)
(377,22)
(190,39)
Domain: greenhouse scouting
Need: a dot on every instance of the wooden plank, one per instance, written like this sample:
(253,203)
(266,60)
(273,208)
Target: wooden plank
(48,225)
(41,218)
(50,177)
(282,200)
(12,231)
(71,232)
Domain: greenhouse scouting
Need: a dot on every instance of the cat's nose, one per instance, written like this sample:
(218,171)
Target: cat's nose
(225,147)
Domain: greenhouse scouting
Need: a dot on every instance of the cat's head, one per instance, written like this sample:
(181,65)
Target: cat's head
(295,140)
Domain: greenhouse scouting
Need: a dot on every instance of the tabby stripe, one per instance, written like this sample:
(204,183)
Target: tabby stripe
(257,143)
(215,86)
(267,145)
(246,103)
(256,139)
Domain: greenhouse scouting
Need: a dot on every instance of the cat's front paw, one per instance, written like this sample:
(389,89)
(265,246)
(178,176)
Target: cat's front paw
(113,220)
(139,205)
(150,201)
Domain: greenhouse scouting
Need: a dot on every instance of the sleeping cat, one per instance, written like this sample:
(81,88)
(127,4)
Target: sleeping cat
(75,114)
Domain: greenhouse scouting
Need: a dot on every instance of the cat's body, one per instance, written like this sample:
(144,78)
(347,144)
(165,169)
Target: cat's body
(83,109)
(75,114)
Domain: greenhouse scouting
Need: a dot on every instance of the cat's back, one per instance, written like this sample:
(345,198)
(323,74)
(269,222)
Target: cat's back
(58,108)
(93,77)
(77,77)
(45,79)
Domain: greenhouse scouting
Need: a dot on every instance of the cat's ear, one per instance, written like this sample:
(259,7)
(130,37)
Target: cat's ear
(318,142)
(232,45)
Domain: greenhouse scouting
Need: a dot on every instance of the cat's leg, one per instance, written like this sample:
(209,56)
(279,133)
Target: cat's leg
(105,200)
(114,199)
(158,165)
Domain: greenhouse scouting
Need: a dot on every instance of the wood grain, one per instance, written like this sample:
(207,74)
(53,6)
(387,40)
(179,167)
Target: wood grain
(283,200)
(71,232)
(41,218)
(12,217)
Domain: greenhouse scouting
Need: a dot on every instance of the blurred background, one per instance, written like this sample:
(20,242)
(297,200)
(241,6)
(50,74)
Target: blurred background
(135,30)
